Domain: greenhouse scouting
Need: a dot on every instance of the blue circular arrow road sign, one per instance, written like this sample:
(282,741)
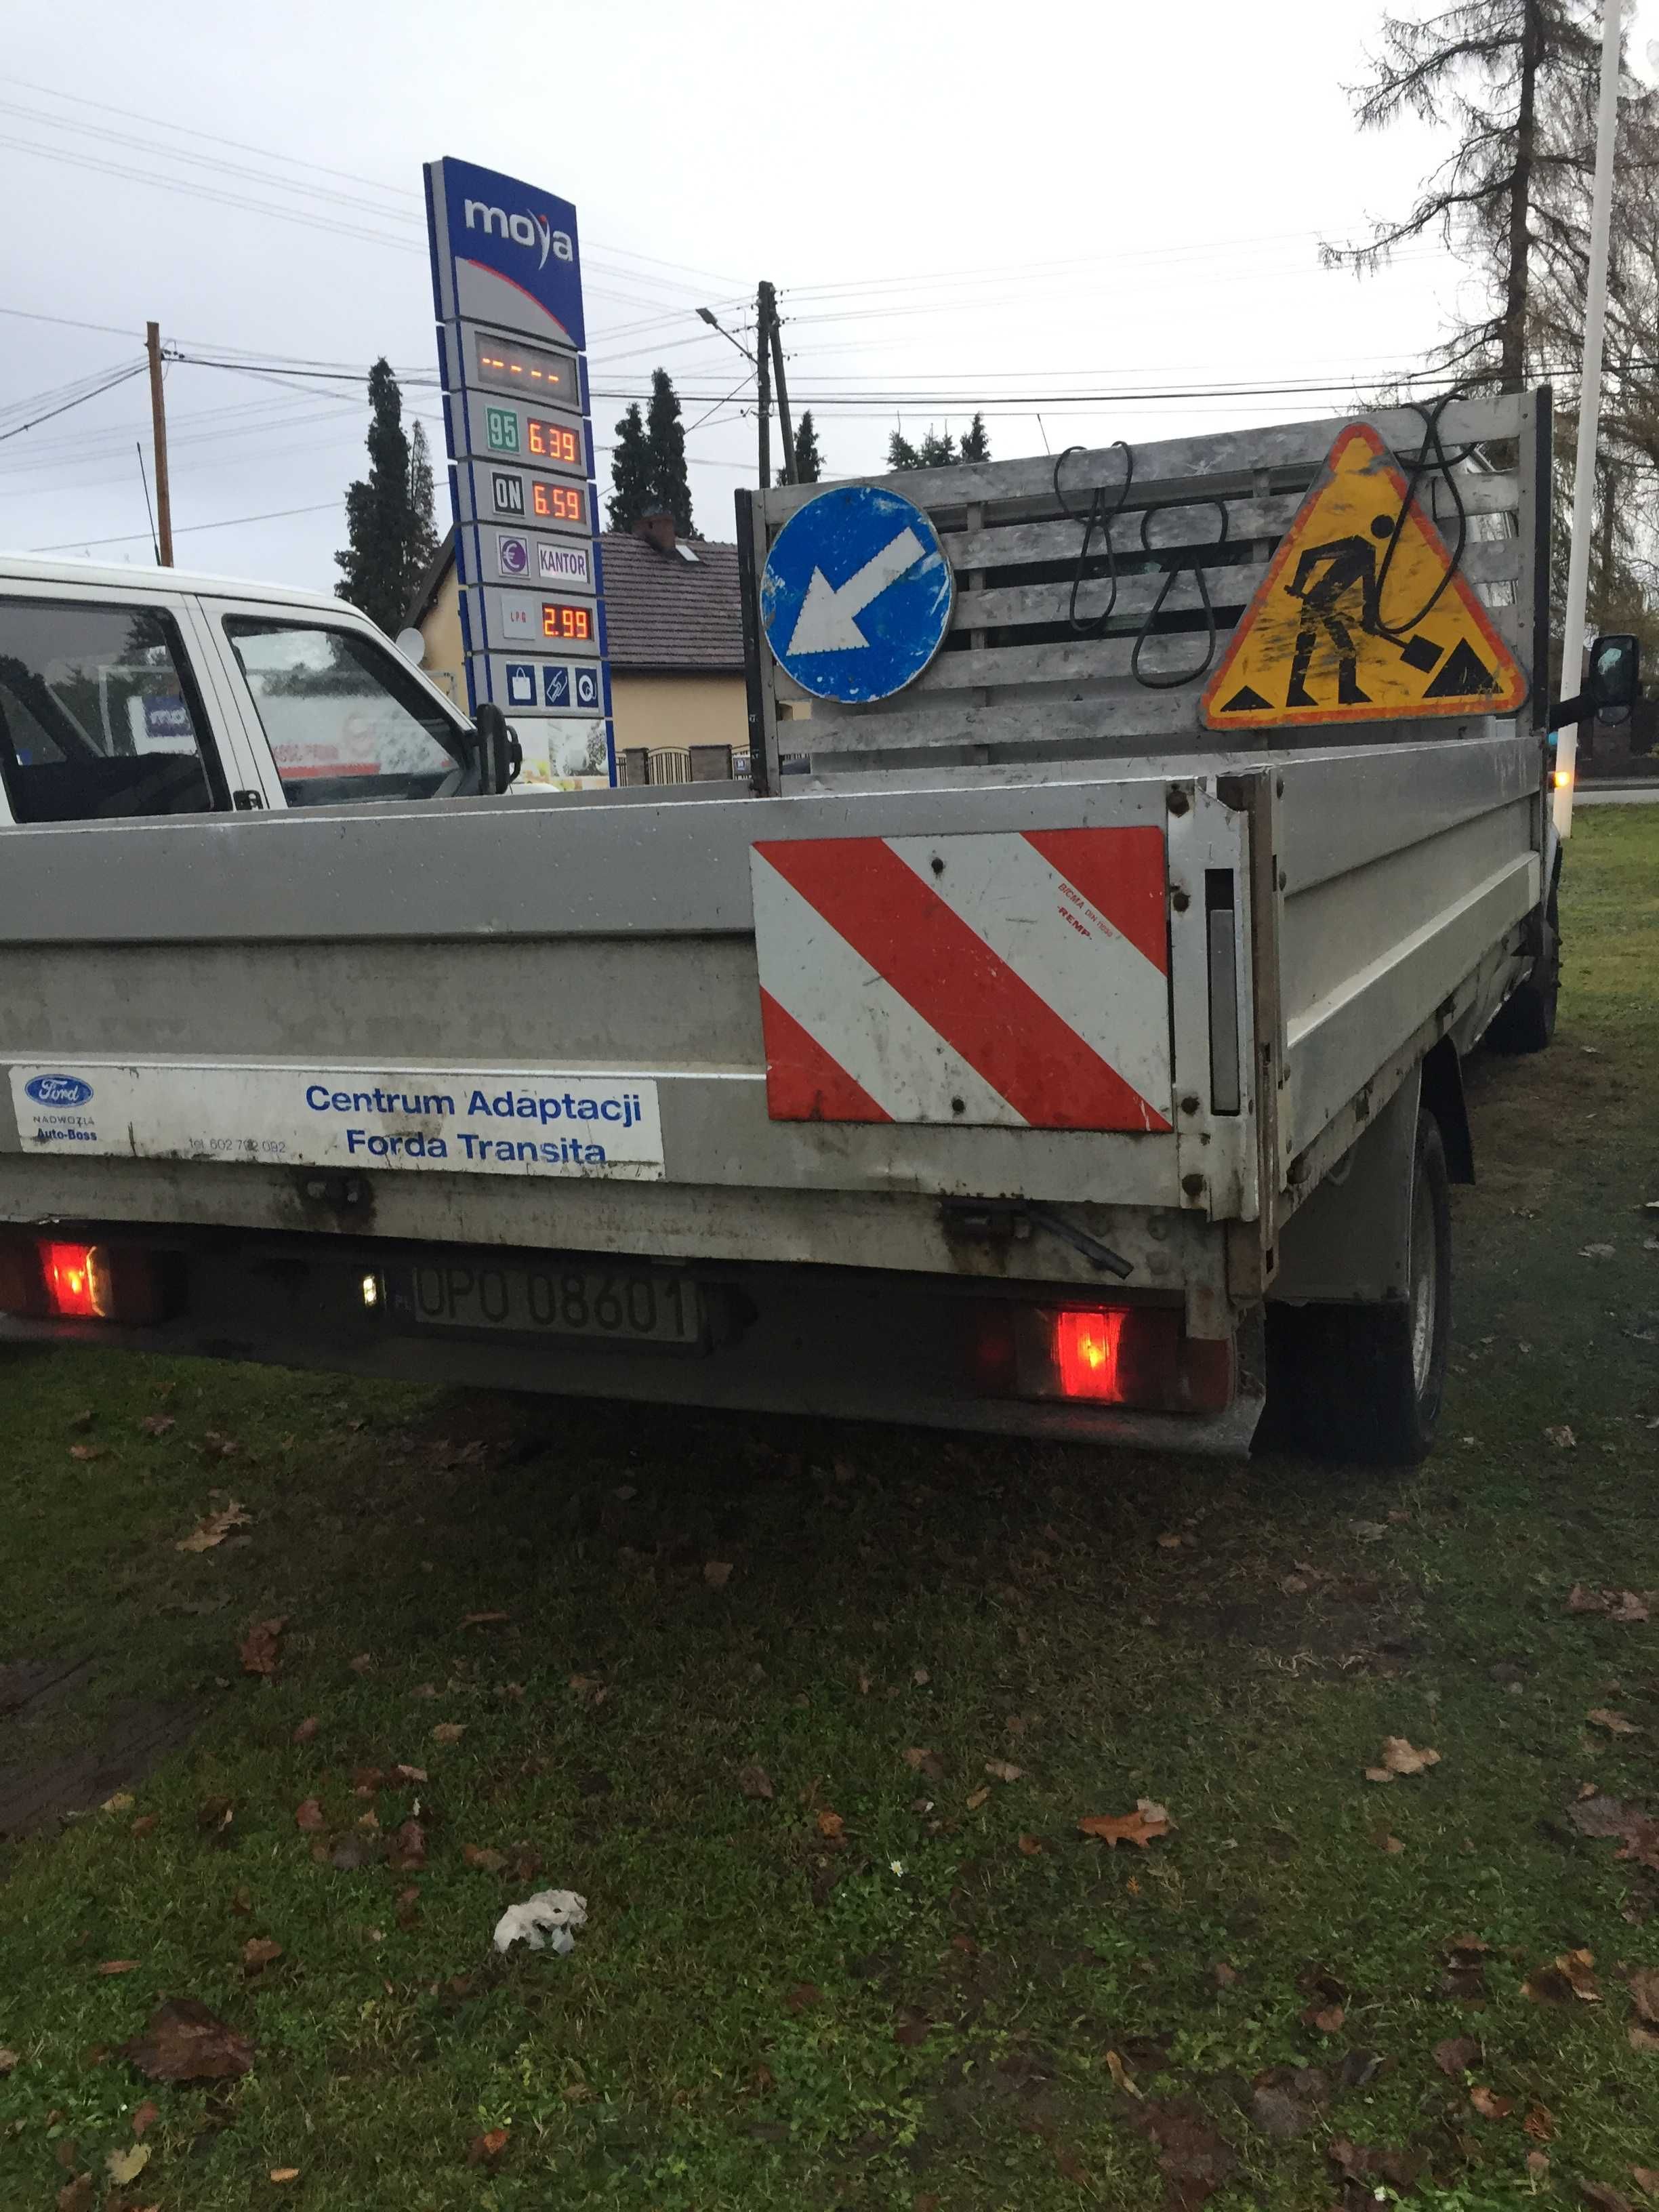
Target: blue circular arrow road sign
(856,594)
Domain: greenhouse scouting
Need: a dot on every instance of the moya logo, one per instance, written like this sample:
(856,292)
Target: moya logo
(530,230)
(58,1090)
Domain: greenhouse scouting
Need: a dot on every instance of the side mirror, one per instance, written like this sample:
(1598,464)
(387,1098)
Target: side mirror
(501,756)
(1611,686)
(411,644)
(1614,682)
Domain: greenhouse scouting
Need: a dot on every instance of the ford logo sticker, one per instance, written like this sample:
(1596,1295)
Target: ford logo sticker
(58,1090)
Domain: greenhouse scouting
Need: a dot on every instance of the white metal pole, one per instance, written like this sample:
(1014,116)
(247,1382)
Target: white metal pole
(1589,409)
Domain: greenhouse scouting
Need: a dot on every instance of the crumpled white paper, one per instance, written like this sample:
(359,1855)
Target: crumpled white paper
(543,1922)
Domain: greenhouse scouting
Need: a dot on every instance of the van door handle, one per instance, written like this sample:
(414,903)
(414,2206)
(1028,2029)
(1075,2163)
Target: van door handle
(248,802)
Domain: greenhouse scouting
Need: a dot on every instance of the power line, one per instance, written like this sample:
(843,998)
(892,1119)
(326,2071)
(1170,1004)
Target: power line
(121,376)
(229,522)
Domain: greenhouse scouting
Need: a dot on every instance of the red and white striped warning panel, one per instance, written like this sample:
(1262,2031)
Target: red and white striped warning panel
(1020,980)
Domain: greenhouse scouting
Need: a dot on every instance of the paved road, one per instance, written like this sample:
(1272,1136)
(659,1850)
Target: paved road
(1639,794)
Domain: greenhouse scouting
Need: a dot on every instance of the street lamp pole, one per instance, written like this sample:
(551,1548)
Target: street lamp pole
(1589,411)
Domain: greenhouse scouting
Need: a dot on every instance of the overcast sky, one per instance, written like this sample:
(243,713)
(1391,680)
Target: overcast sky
(959,205)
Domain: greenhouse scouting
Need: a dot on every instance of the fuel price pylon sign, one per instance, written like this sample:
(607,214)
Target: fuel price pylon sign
(511,352)
(1342,629)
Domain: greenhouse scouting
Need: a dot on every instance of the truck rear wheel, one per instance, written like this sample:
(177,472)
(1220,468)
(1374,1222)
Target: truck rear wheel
(1526,1020)
(1363,1383)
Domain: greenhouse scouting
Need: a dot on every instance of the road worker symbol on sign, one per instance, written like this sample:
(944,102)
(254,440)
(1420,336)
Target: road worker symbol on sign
(1361,616)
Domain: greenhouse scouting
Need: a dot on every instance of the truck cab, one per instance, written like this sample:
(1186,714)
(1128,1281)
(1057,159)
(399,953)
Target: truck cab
(136,692)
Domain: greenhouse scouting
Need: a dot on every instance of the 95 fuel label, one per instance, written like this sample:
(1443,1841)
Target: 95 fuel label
(531,1121)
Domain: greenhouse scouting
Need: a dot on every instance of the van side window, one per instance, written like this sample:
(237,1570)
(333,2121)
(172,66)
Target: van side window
(99,718)
(343,717)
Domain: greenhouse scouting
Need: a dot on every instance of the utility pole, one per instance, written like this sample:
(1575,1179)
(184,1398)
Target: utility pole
(158,421)
(771,334)
(765,308)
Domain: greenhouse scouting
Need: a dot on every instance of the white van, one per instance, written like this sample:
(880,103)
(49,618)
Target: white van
(140,692)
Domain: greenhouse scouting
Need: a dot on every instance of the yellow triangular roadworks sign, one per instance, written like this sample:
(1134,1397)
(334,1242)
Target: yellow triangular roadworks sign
(1329,638)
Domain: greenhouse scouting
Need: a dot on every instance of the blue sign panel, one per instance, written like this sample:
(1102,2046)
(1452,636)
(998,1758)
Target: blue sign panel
(506,286)
(503,229)
(856,594)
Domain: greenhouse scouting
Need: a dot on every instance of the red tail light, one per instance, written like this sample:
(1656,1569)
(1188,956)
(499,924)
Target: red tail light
(77,1281)
(1085,1349)
(1136,1356)
(49,1278)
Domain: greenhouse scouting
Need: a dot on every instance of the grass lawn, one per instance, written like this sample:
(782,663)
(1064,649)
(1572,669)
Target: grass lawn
(888,1971)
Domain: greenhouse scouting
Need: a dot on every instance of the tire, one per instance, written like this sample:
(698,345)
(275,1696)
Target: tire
(1526,1020)
(1362,1384)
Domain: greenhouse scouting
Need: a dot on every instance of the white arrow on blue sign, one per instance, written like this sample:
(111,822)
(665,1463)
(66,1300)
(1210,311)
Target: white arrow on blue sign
(856,594)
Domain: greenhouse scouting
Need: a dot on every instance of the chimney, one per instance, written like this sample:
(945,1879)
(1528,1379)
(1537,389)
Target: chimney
(657,529)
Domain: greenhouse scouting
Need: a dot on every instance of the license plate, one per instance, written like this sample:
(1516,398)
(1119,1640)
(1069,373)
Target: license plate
(552,1301)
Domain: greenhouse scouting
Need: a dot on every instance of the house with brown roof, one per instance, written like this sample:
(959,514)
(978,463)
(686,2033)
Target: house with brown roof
(673,617)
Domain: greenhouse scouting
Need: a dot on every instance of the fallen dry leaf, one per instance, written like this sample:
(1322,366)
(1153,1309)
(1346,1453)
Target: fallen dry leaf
(309,1815)
(1646,2179)
(76,2196)
(1538,2165)
(1326,2018)
(125,2166)
(484,1619)
(1562,1437)
(1641,2039)
(118,1966)
(1222,1975)
(184,2042)
(1569,1976)
(921,1760)
(89,1451)
(408,1852)
(1604,2198)
(1644,1992)
(402,1773)
(1489,2106)
(1030,1846)
(1614,1724)
(157,1424)
(362,1664)
(215,1527)
(1121,2074)
(1458,2054)
(1000,1770)
(1539,2123)
(258,1952)
(281,2173)
(486,1861)
(307,1729)
(717,1573)
(1142,1826)
(8,2063)
(1169,1543)
(487,2149)
(803,1996)
(1392,1845)
(1629,1607)
(145,2118)
(755,1782)
(449,1732)
(122,1802)
(977,1797)
(831,1826)
(1399,1757)
(261,1648)
(920,1677)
